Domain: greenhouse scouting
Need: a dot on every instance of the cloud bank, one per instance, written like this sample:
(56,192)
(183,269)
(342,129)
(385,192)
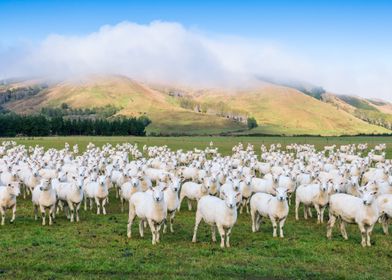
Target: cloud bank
(169,52)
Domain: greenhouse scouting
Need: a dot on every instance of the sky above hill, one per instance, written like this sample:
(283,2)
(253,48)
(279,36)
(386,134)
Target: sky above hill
(344,46)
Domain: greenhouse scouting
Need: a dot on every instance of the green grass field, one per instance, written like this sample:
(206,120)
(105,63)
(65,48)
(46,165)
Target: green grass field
(97,247)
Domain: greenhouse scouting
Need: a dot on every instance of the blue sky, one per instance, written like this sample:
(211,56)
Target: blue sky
(324,32)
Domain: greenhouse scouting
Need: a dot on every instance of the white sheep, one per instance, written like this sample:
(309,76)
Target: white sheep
(71,193)
(385,207)
(128,189)
(362,211)
(275,208)
(192,191)
(8,196)
(172,200)
(44,197)
(97,191)
(148,206)
(218,213)
(313,195)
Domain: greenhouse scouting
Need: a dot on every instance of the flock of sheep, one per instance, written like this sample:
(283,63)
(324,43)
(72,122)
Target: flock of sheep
(355,184)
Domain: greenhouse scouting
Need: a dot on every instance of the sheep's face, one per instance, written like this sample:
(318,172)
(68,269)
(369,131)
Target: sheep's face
(368,197)
(13,188)
(62,177)
(102,180)
(236,185)
(157,193)
(281,194)
(135,182)
(231,199)
(175,184)
(80,182)
(248,180)
(45,186)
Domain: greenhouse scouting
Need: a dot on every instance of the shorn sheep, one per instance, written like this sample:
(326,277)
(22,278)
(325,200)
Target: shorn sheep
(44,197)
(218,213)
(8,196)
(362,211)
(276,208)
(148,206)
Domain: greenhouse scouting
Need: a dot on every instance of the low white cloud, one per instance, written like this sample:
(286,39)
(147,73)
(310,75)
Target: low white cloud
(169,52)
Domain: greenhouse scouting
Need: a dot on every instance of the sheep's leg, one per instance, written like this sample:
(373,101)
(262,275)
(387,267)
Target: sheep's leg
(182,196)
(253,216)
(247,205)
(331,223)
(157,233)
(172,215)
(131,217)
(317,207)
(197,222)
(281,225)
(85,203)
(13,213)
(51,210)
(103,206)
(153,231)
(228,233)
(274,226)
(35,212)
(322,209)
(122,204)
(222,235)
(2,210)
(305,212)
(385,225)
(72,210)
(310,212)
(296,209)
(368,233)
(363,234)
(343,229)
(141,228)
(91,203)
(189,205)
(259,220)
(43,215)
(213,233)
(98,205)
(77,212)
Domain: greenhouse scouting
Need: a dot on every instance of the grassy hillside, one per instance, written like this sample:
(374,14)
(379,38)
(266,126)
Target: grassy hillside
(277,109)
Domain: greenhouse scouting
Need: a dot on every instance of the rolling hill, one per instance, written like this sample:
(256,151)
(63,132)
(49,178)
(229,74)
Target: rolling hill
(177,110)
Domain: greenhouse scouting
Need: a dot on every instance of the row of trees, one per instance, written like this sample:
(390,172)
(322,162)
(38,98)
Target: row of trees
(66,110)
(12,125)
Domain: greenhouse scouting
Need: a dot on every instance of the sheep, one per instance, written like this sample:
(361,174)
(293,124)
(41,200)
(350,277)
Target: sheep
(128,189)
(72,194)
(265,185)
(313,194)
(44,197)
(363,211)
(99,192)
(384,202)
(172,201)
(218,213)
(192,191)
(148,206)
(8,196)
(275,208)
(246,193)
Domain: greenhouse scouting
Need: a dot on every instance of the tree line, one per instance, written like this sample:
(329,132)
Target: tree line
(12,125)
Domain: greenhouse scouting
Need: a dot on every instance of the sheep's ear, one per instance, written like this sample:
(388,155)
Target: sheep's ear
(374,193)
(238,194)
(223,193)
(164,188)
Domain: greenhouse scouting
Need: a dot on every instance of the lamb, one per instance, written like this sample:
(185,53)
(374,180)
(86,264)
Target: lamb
(192,191)
(172,201)
(44,197)
(8,196)
(218,213)
(314,194)
(99,192)
(148,206)
(275,208)
(72,194)
(363,211)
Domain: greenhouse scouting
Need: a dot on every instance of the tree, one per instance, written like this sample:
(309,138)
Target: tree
(252,123)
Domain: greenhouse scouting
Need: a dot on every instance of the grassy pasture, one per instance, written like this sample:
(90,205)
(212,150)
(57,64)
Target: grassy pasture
(97,247)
